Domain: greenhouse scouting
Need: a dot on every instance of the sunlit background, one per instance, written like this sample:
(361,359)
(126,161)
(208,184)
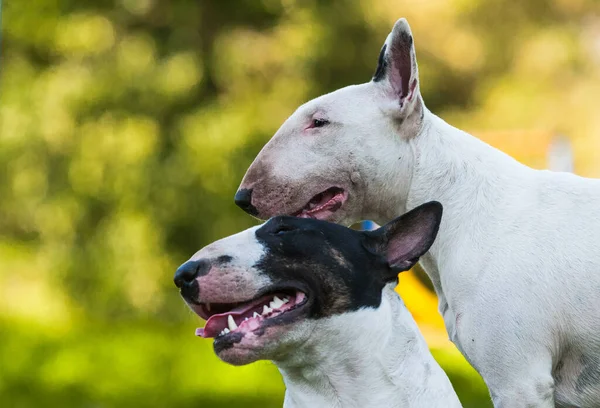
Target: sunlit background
(126,126)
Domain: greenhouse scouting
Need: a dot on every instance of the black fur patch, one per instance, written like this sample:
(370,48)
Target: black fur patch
(338,269)
(381,66)
(221,344)
(224,259)
(332,264)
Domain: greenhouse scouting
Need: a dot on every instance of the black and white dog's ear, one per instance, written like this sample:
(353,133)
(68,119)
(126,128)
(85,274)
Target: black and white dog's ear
(405,239)
(397,70)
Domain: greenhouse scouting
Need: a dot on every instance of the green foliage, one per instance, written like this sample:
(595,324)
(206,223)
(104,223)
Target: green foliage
(149,363)
(125,128)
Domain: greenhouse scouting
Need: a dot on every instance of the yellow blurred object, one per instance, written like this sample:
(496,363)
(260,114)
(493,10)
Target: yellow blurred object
(423,305)
(528,147)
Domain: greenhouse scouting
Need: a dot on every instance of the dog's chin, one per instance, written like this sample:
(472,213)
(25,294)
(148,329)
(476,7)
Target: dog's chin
(274,344)
(246,352)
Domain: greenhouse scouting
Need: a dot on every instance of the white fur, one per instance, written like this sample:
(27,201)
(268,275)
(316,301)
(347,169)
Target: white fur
(516,264)
(244,245)
(237,276)
(373,358)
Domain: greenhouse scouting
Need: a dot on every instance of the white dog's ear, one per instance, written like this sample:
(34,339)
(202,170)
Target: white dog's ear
(405,239)
(397,71)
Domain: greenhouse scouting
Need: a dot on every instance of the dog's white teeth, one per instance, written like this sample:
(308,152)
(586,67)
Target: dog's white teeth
(245,319)
(266,310)
(222,332)
(255,315)
(285,300)
(276,303)
(231,323)
(225,330)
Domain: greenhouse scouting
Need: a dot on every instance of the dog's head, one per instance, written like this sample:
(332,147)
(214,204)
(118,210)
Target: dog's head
(264,290)
(332,158)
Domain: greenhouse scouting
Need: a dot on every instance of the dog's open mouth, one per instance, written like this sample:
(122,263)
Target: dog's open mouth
(226,319)
(324,204)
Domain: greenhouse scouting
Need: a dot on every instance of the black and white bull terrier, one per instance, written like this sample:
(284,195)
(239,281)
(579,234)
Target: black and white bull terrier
(318,300)
(516,266)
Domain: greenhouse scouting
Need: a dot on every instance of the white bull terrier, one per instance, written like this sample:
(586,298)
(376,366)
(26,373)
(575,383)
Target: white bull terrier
(516,265)
(318,299)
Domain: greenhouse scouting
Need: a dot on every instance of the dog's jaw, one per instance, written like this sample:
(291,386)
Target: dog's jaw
(248,316)
(242,340)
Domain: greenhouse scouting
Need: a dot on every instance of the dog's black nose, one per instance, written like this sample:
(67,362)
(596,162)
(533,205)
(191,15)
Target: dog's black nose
(189,271)
(243,199)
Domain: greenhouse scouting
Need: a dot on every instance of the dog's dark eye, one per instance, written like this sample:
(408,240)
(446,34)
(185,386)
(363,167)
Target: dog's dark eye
(282,229)
(319,122)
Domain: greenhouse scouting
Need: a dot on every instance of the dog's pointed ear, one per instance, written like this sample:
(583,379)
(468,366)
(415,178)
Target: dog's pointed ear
(397,70)
(405,239)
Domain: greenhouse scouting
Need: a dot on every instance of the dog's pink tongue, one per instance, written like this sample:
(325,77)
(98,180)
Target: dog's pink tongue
(213,326)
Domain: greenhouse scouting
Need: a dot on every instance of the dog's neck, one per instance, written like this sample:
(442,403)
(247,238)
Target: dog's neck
(371,357)
(476,184)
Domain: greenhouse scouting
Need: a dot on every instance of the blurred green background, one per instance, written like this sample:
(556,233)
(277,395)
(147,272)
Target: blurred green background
(126,126)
